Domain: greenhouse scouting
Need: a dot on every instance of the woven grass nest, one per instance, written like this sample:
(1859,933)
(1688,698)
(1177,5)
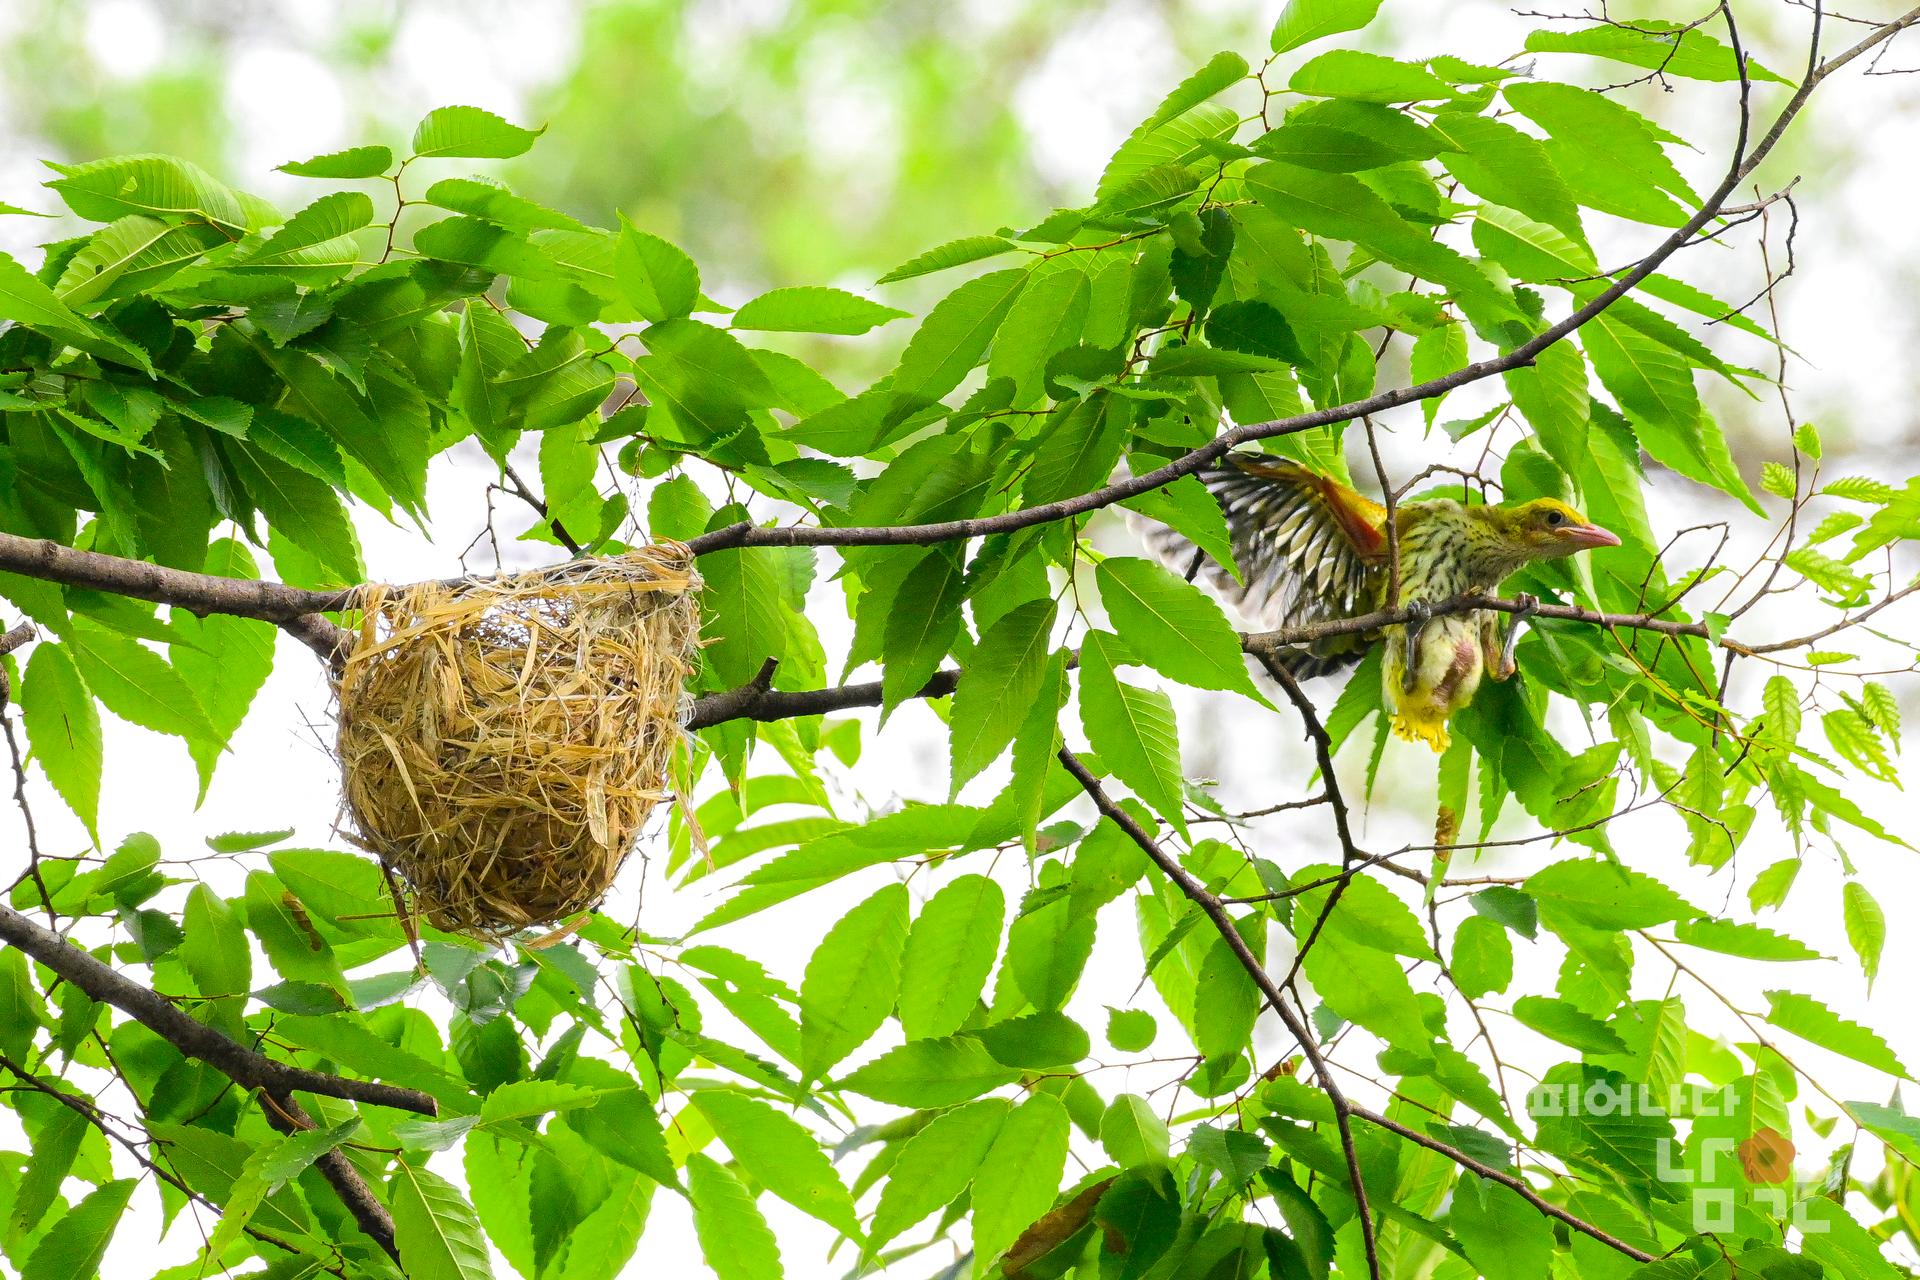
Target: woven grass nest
(502,740)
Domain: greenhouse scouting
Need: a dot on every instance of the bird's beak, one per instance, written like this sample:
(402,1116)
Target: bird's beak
(1590,535)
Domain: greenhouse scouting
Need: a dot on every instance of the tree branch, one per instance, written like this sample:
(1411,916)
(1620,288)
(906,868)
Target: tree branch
(1216,912)
(1343,1108)
(244,1066)
(1744,162)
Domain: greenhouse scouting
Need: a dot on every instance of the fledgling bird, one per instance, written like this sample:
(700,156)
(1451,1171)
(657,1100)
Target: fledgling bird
(1311,549)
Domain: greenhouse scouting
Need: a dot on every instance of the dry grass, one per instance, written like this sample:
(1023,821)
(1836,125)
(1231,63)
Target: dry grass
(503,740)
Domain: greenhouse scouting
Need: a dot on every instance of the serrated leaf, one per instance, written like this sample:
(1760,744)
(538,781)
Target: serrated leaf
(852,981)
(936,1072)
(136,684)
(471,132)
(1662,47)
(936,1165)
(949,953)
(354,162)
(954,253)
(1172,626)
(1367,77)
(1304,21)
(955,334)
(1567,1023)
(437,1231)
(781,1154)
(1815,1023)
(1134,732)
(63,729)
(813,309)
(659,280)
(1020,1176)
(1739,938)
(998,687)
(74,1246)
(1866,926)
(734,1239)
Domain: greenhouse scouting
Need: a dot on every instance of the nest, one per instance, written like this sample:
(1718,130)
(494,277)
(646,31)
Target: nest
(502,741)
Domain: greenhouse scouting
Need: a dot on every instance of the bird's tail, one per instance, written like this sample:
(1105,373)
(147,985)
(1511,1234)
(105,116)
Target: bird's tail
(1421,722)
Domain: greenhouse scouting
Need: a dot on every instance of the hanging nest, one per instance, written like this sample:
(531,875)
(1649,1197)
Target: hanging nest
(503,740)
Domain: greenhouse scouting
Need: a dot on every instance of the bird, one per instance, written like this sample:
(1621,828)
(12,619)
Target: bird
(1311,549)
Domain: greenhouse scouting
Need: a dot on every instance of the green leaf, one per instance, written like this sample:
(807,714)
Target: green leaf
(852,980)
(1344,208)
(1662,47)
(48,1165)
(316,245)
(930,1073)
(471,132)
(1866,926)
(1499,163)
(1553,397)
(1135,734)
(137,685)
(216,954)
(1367,77)
(734,1239)
(1036,1041)
(949,953)
(998,687)
(1367,988)
(63,729)
(1815,1023)
(623,1126)
(741,608)
(483,198)
(73,1248)
(955,334)
(1020,1176)
(813,309)
(1133,1132)
(1129,1030)
(354,162)
(1225,1003)
(1172,626)
(132,254)
(922,624)
(266,1170)
(1048,317)
(1603,895)
(1186,507)
(225,660)
(954,253)
(305,510)
(781,1155)
(936,1165)
(1506,1238)
(657,278)
(1304,21)
(1482,957)
(1565,1022)
(437,1231)
(1610,156)
(1739,938)
(158,186)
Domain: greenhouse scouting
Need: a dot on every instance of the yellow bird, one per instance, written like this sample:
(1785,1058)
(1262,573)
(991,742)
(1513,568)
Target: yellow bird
(1311,549)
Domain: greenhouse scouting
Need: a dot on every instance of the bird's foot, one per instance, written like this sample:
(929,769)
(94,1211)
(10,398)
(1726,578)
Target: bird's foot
(1528,604)
(1419,613)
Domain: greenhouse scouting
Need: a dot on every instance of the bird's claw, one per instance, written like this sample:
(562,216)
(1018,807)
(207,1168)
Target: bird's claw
(1527,605)
(1419,613)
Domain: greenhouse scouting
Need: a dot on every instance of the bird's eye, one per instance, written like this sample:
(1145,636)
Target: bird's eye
(1555,519)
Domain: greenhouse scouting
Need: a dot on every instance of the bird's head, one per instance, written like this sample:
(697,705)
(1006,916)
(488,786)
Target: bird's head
(1546,529)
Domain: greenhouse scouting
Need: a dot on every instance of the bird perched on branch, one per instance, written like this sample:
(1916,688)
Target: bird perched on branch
(1312,550)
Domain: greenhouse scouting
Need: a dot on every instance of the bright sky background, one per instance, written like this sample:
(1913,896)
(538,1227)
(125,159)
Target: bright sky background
(1848,312)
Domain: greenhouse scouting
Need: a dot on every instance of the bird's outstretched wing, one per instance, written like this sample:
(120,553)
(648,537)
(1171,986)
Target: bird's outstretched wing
(1309,548)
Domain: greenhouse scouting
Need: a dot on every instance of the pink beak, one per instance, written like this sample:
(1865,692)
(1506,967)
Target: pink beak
(1590,535)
